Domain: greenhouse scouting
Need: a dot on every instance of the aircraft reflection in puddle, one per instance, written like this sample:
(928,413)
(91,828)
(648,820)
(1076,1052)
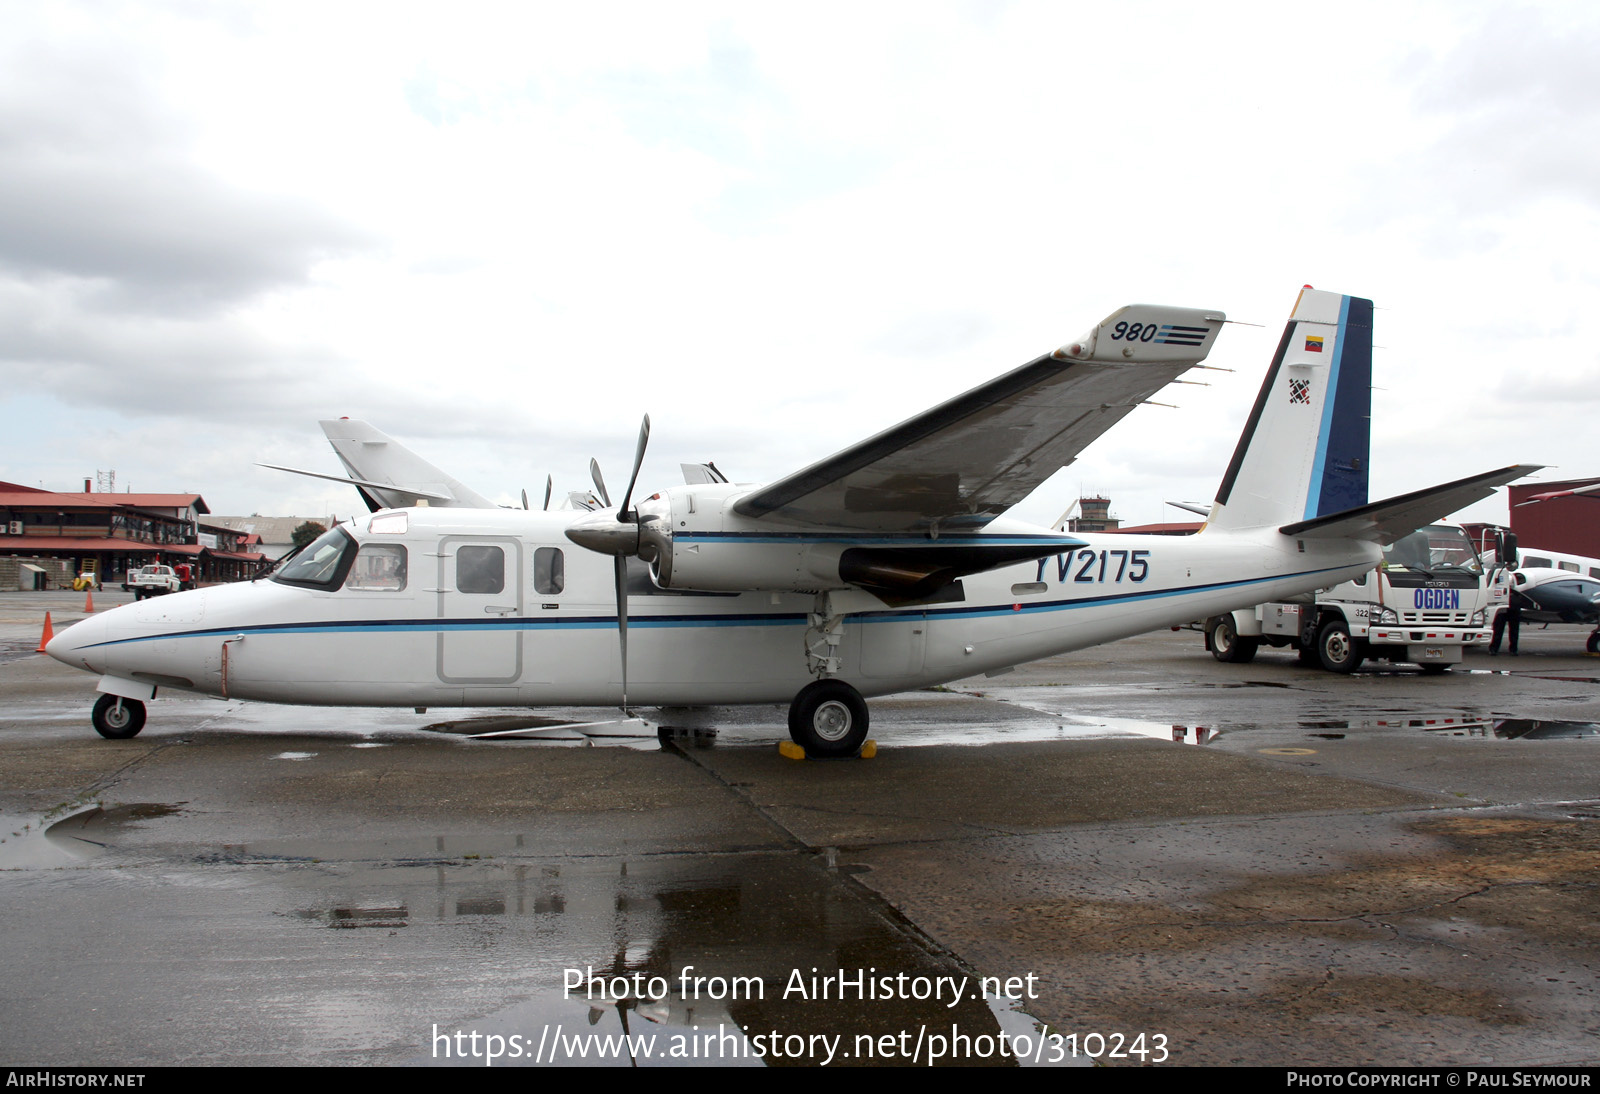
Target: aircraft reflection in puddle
(84,835)
(755,920)
(1526,729)
(676,961)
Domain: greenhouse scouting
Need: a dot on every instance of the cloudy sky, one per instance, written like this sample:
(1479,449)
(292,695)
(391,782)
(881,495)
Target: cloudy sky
(502,233)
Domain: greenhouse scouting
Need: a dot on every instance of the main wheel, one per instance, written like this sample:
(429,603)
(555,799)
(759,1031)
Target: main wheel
(1226,645)
(1593,645)
(1339,652)
(117,718)
(828,718)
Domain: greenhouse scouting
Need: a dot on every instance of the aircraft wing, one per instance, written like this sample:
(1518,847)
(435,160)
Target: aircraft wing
(418,491)
(967,460)
(1579,492)
(389,474)
(1384,522)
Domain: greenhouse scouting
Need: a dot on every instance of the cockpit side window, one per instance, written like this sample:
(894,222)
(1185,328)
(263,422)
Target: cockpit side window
(323,564)
(379,566)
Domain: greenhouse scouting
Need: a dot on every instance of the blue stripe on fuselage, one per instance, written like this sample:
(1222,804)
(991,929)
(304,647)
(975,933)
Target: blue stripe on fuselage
(596,622)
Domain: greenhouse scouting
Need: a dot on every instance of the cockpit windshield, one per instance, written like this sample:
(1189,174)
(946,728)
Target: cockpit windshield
(323,564)
(1433,549)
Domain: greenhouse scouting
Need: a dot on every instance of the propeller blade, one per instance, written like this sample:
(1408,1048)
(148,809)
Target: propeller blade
(599,482)
(549,484)
(622,622)
(524,499)
(638,462)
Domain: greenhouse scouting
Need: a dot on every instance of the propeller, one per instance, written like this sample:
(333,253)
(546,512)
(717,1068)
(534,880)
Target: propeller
(617,536)
(524,499)
(549,484)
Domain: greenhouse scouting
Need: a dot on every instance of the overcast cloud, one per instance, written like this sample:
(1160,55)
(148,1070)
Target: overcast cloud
(504,232)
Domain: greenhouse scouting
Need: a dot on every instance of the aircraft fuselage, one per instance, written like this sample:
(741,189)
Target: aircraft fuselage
(498,608)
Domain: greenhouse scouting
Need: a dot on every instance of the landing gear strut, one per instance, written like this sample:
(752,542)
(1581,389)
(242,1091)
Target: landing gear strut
(828,718)
(117,718)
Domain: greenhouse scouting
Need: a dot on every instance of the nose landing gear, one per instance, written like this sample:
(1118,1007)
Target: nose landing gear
(117,718)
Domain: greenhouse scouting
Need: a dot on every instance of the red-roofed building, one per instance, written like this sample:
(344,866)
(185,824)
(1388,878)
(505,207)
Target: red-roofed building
(110,534)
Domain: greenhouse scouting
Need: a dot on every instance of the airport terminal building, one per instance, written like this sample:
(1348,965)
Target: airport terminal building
(48,537)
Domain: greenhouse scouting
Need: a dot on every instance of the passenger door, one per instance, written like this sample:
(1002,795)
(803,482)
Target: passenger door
(480,609)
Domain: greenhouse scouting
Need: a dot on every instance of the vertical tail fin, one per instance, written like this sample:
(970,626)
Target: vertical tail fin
(1304,451)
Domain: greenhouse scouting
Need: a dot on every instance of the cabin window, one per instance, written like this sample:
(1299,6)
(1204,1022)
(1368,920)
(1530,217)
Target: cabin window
(480,569)
(549,570)
(1571,567)
(379,566)
(1535,562)
(323,564)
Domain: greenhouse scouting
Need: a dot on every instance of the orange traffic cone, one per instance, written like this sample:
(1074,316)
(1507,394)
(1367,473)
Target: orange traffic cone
(88,601)
(44,639)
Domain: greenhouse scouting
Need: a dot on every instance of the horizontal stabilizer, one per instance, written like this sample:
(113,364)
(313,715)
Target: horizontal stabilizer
(430,495)
(1384,522)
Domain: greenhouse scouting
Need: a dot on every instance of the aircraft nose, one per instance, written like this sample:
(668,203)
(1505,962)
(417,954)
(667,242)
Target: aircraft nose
(74,645)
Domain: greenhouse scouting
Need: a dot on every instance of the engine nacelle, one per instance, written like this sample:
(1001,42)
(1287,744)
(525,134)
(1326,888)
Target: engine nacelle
(693,540)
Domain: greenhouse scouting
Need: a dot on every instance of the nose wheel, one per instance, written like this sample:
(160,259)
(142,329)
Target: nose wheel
(117,718)
(828,718)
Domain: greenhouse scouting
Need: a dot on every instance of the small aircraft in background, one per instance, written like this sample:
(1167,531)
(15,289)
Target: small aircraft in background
(885,567)
(1559,588)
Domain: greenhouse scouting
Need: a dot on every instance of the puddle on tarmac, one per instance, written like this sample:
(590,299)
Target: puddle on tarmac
(740,959)
(1060,725)
(17,651)
(734,960)
(1463,725)
(33,845)
(1455,724)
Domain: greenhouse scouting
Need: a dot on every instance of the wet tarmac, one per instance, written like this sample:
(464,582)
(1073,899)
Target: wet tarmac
(1159,858)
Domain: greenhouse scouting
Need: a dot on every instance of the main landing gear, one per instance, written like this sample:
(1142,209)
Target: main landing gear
(828,718)
(117,718)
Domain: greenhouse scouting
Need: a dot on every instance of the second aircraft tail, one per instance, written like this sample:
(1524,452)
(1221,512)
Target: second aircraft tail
(1304,452)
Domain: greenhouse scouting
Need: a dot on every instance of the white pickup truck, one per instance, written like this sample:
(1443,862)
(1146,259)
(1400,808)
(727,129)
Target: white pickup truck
(151,581)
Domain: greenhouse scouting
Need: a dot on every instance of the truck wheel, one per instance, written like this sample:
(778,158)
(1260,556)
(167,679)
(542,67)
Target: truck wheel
(1227,646)
(117,718)
(1594,643)
(1337,650)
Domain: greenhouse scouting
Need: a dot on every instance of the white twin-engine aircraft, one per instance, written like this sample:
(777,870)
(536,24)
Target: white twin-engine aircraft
(882,568)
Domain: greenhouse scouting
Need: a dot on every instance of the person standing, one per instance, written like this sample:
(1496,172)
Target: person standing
(1509,622)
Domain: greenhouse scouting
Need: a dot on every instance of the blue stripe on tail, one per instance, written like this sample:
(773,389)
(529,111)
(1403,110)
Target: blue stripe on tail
(1339,473)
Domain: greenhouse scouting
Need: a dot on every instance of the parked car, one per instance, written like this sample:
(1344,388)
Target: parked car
(151,581)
